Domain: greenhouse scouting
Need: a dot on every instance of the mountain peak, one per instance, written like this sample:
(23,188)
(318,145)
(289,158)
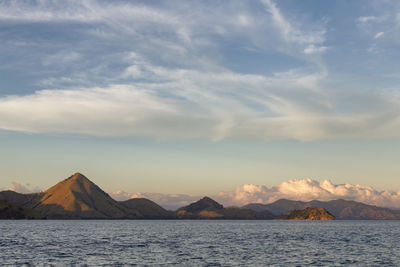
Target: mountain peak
(79,197)
(205,203)
(77,176)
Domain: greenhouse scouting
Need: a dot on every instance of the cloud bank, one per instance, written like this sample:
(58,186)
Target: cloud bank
(308,189)
(297,189)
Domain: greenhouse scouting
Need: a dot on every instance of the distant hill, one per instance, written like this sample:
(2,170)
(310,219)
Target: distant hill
(341,209)
(10,210)
(311,214)
(147,208)
(207,208)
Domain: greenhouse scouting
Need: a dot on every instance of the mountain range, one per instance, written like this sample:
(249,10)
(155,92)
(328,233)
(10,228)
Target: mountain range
(79,198)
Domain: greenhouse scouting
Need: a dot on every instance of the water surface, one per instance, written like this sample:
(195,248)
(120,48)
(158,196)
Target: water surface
(203,243)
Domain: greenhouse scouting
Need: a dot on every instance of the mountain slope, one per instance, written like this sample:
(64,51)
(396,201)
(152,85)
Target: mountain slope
(207,208)
(205,203)
(10,210)
(18,198)
(341,209)
(147,208)
(78,197)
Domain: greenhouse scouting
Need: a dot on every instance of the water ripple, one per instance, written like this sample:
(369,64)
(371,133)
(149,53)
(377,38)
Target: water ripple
(200,243)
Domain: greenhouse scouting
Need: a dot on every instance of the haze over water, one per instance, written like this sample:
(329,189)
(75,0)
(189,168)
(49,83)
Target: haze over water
(190,243)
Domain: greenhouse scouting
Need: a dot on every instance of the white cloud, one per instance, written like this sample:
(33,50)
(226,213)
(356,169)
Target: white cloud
(297,189)
(165,77)
(366,19)
(21,188)
(379,35)
(308,189)
(168,201)
(312,49)
(183,103)
(291,33)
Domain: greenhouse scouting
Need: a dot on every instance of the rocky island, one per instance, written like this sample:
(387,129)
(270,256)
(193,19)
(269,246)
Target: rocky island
(310,214)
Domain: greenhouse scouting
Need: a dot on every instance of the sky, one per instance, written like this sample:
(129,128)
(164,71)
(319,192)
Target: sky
(202,97)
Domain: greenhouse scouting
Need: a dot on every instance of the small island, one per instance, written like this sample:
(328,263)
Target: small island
(310,214)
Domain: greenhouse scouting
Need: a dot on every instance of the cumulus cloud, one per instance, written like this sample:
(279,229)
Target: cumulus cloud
(307,190)
(297,189)
(23,188)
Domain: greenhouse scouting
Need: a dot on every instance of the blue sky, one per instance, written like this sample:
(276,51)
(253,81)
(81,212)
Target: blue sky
(199,97)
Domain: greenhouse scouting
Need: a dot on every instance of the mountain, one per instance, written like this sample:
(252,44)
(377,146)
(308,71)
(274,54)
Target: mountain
(18,198)
(203,204)
(310,214)
(78,197)
(147,208)
(341,209)
(204,208)
(207,208)
(10,210)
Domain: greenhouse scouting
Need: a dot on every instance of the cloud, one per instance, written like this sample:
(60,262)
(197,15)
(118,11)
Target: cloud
(297,189)
(184,103)
(379,35)
(289,32)
(168,201)
(308,189)
(312,49)
(25,189)
(367,19)
(161,72)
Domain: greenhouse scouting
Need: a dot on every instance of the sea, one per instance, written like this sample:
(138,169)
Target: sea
(198,243)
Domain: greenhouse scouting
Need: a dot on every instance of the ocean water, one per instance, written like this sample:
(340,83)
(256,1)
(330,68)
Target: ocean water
(200,243)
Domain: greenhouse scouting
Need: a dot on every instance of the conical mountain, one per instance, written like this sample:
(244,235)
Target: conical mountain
(78,197)
(203,204)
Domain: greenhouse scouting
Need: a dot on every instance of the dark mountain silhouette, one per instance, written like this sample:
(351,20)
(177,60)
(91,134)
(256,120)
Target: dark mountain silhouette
(310,214)
(18,198)
(207,208)
(341,209)
(148,209)
(10,210)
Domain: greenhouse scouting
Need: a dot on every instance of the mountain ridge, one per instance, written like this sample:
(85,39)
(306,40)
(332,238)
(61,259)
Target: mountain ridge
(76,197)
(340,208)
